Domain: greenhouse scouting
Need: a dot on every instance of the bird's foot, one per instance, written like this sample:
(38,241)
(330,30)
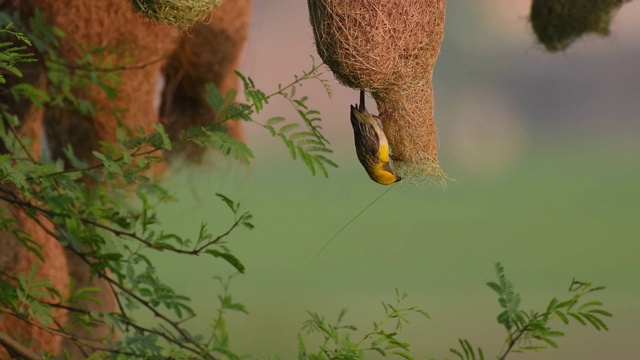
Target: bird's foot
(384,115)
(395,157)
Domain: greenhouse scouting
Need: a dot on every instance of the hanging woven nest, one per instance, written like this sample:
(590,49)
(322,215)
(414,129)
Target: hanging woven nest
(388,48)
(182,13)
(558,23)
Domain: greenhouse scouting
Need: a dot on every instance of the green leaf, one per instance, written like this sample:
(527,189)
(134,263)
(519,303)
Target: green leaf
(457,353)
(601,312)
(227,303)
(166,142)
(301,135)
(403,355)
(109,164)
(246,221)
(578,318)
(271,130)
(550,342)
(35,95)
(228,201)
(121,134)
(288,127)
(231,146)
(228,257)
(562,317)
(302,350)
(322,149)
(467,349)
(301,102)
(590,304)
(275,120)
(594,321)
(110,91)
(495,287)
(306,159)
(213,96)
(318,163)
(326,160)
(290,146)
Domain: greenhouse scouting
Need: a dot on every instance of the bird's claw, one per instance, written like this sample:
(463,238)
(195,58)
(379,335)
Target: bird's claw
(395,157)
(384,115)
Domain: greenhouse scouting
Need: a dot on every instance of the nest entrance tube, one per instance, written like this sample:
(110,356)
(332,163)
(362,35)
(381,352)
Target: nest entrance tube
(388,48)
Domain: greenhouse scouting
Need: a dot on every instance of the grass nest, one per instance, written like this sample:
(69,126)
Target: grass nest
(181,13)
(388,48)
(558,23)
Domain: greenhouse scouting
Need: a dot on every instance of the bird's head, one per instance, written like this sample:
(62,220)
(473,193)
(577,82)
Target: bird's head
(384,175)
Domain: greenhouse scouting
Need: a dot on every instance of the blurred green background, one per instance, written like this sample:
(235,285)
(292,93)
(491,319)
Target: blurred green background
(543,150)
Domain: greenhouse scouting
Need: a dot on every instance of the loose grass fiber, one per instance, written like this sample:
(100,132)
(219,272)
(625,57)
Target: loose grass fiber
(388,48)
(182,13)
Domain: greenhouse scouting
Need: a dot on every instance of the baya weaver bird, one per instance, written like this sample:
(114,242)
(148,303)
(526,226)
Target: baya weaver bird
(372,146)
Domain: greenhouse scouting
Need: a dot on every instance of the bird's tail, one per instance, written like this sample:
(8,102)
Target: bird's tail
(362,107)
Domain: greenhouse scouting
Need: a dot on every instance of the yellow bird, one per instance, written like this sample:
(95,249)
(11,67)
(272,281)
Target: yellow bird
(372,146)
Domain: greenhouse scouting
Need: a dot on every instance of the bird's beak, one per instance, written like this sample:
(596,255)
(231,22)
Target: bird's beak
(398,178)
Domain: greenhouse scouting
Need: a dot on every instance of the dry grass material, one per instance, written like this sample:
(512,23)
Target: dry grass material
(390,49)
(182,13)
(558,23)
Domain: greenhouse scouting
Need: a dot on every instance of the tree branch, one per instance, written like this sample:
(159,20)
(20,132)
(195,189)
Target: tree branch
(120,233)
(18,137)
(107,69)
(17,349)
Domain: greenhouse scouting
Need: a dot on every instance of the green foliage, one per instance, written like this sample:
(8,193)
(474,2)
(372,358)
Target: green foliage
(383,338)
(29,289)
(304,140)
(95,67)
(468,352)
(11,56)
(509,300)
(532,330)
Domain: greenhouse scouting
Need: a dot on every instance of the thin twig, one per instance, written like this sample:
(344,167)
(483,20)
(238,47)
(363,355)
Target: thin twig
(122,233)
(512,343)
(17,349)
(153,310)
(281,91)
(18,137)
(108,69)
(80,341)
(122,318)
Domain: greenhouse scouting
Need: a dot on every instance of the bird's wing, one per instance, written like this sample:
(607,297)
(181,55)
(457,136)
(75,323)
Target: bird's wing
(365,131)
